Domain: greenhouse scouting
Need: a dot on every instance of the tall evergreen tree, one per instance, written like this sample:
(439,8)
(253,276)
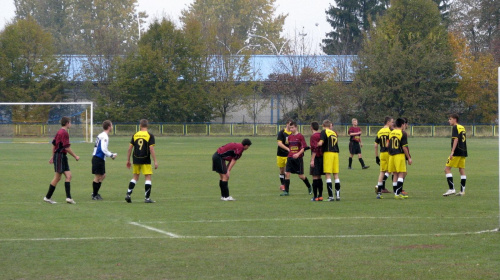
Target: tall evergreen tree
(350,19)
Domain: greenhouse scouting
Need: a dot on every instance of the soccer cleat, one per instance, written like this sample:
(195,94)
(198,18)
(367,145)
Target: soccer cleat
(330,198)
(379,196)
(349,167)
(128,199)
(96,197)
(403,192)
(222,198)
(230,198)
(449,192)
(460,194)
(396,196)
(282,187)
(310,190)
(338,198)
(48,200)
(385,191)
(149,200)
(70,201)
(319,198)
(284,193)
(366,167)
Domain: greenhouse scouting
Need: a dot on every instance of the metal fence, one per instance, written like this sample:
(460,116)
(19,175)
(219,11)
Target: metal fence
(232,129)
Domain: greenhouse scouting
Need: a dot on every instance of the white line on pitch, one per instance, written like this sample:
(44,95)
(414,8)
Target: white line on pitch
(157,230)
(253,236)
(308,218)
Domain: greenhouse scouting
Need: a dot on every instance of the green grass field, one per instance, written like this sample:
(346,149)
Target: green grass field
(190,234)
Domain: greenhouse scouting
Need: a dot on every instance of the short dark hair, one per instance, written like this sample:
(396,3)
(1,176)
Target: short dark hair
(144,123)
(387,119)
(315,125)
(454,116)
(65,121)
(400,122)
(289,121)
(292,123)
(106,124)
(246,142)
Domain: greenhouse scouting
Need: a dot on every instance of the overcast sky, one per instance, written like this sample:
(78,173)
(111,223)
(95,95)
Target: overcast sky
(307,16)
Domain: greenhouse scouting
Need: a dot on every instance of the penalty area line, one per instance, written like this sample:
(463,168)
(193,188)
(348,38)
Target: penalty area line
(156,230)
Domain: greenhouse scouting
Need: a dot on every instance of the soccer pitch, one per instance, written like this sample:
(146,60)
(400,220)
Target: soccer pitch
(189,233)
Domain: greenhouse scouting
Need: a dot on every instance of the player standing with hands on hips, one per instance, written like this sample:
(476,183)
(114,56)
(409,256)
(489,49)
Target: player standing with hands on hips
(61,147)
(99,156)
(142,144)
(230,152)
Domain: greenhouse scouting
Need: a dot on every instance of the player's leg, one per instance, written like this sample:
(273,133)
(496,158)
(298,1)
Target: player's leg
(52,188)
(287,180)
(463,177)
(147,184)
(136,170)
(449,177)
(337,185)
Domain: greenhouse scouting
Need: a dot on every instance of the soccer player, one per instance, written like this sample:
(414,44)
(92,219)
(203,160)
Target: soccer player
(282,153)
(383,160)
(229,153)
(142,144)
(60,149)
(316,162)
(98,158)
(295,160)
(355,144)
(329,143)
(457,156)
(398,148)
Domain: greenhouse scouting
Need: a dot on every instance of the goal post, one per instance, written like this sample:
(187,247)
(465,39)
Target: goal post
(39,121)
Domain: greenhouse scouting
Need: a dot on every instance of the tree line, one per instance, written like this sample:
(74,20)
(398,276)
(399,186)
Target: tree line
(421,59)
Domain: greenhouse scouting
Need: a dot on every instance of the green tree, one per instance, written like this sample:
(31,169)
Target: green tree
(160,82)
(86,26)
(406,67)
(350,19)
(29,71)
(478,83)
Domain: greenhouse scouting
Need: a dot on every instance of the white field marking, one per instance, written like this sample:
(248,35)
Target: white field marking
(253,236)
(157,230)
(309,218)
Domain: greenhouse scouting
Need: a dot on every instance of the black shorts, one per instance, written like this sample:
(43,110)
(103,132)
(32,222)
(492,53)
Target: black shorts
(354,148)
(295,165)
(218,164)
(98,166)
(60,163)
(317,170)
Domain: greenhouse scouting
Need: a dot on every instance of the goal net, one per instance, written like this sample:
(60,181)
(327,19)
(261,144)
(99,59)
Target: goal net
(39,122)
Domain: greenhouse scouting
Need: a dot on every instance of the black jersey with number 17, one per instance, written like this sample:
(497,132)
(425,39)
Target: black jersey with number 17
(141,141)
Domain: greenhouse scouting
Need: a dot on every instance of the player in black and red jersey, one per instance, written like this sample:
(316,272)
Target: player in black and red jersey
(295,161)
(229,153)
(316,162)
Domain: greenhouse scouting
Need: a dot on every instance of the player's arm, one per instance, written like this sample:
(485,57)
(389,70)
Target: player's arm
(70,151)
(299,153)
(129,152)
(283,146)
(104,148)
(455,144)
(152,151)
(313,156)
(320,143)
(407,154)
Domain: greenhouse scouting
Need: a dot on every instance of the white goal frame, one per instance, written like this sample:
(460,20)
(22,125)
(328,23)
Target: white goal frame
(63,103)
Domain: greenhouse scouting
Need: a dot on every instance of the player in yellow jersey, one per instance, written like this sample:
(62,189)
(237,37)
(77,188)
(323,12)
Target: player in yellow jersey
(398,152)
(329,142)
(457,156)
(383,160)
(142,146)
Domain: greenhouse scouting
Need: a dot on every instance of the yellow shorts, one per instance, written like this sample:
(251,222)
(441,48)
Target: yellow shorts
(384,161)
(281,161)
(331,162)
(397,163)
(146,169)
(457,162)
